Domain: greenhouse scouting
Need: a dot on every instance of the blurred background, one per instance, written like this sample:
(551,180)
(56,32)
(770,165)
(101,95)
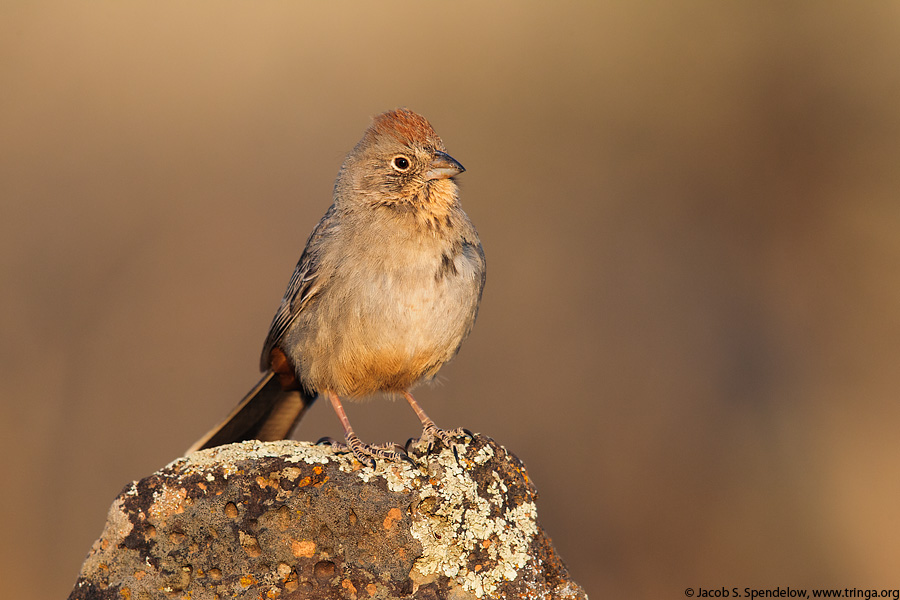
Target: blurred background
(691,327)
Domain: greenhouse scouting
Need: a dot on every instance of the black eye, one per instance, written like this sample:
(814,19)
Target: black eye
(401,163)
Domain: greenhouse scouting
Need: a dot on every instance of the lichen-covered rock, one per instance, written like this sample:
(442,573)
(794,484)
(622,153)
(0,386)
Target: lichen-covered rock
(294,520)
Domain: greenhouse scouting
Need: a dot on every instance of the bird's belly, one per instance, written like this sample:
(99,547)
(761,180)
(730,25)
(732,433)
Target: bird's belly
(391,330)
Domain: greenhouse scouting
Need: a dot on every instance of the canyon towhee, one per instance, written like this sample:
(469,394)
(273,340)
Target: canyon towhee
(384,294)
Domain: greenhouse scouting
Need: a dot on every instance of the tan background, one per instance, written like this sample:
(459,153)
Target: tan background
(691,328)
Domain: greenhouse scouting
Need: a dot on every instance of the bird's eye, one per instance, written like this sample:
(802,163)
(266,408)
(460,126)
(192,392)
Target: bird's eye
(400,163)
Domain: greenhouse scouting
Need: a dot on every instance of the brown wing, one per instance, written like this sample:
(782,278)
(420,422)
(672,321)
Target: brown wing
(302,287)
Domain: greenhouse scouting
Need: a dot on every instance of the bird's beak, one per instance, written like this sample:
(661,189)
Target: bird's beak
(443,166)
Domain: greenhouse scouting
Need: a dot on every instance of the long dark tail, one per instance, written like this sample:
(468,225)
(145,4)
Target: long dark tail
(266,413)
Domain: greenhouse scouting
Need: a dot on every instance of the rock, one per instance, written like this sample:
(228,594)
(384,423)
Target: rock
(294,520)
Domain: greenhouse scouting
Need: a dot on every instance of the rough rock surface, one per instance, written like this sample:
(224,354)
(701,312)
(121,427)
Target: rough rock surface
(294,520)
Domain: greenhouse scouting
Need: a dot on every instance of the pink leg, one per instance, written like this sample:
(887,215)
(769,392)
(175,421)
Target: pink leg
(339,411)
(429,429)
(364,453)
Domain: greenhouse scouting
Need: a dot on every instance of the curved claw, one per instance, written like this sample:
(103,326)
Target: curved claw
(447,434)
(404,455)
(368,455)
(328,440)
(336,446)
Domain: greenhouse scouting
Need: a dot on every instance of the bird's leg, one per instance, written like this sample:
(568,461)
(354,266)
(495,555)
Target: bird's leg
(429,429)
(364,453)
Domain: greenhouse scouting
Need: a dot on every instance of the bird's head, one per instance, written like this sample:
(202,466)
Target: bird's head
(400,160)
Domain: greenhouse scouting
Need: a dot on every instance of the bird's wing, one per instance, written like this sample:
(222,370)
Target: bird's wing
(304,285)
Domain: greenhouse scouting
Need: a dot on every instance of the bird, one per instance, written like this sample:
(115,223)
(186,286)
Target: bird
(385,291)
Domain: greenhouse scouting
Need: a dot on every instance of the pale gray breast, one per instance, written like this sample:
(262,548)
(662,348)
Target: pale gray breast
(417,295)
(390,296)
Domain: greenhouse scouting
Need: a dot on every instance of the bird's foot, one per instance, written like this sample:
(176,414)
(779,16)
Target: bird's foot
(366,453)
(432,432)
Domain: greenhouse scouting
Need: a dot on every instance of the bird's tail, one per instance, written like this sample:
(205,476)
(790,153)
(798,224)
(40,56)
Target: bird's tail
(266,413)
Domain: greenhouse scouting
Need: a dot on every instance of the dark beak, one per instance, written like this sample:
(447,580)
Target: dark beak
(443,166)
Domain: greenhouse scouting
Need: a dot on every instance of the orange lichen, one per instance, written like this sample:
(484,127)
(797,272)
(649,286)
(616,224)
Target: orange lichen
(303,548)
(392,517)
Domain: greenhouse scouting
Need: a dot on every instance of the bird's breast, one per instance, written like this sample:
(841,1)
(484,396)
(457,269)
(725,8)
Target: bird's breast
(390,315)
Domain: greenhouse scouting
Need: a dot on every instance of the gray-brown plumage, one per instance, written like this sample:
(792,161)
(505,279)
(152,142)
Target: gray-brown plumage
(385,292)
